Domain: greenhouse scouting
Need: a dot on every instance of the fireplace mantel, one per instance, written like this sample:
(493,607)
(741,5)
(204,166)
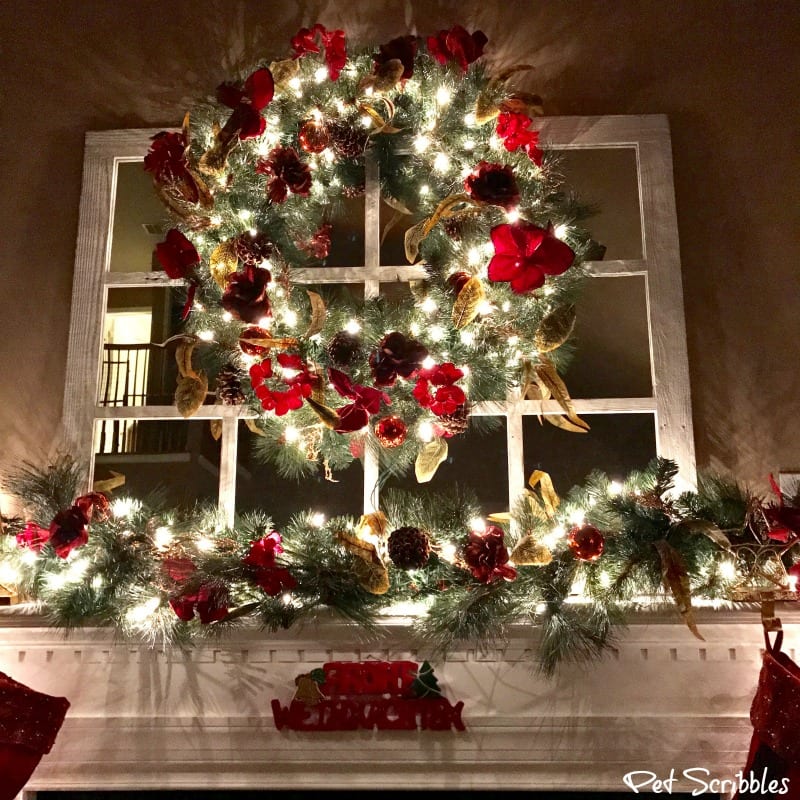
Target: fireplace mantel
(145,718)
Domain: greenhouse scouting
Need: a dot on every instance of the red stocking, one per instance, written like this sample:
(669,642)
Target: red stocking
(29,722)
(775,714)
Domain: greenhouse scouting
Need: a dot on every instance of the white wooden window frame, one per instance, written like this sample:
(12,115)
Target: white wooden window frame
(669,402)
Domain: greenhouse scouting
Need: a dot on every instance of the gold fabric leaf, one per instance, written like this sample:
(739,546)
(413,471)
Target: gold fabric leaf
(557,421)
(469,299)
(429,458)
(555,329)
(375,524)
(548,376)
(327,415)
(374,578)
(283,343)
(216,429)
(386,77)
(254,427)
(676,580)
(414,236)
(283,71)
(550,499)
(116,480)
(523,103)
(223,262)
(530,553)
(318,313)
(190,393)
(183,357)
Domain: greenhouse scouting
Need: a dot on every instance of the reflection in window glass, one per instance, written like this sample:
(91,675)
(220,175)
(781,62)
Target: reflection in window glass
(347,235)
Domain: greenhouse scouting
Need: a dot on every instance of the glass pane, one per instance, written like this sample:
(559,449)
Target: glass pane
(140,220)
(134,371)
(180,459)
(611,341)
(476,460)
(616,444)
(394,225)
(259,486)
(347,235)
(608,180)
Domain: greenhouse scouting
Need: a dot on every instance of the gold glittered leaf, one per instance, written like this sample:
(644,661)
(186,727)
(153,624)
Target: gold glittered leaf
(523,103)
(318,313)
(354,544)
(676,579)
(469,299)
(548,376)
(216,429)
(223,262)
(528,552)
(374,578)
(486,108)
(254,427)
(370,569)
(550,499)
(414,236)
(557,421)
(430,456)
(503,517)
(116,480)
(183,357)
(374,524)
(385,78)
(283,71)
(555,329)
(190,393)
(327,415)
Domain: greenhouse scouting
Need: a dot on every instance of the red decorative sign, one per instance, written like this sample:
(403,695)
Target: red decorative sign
(363,695)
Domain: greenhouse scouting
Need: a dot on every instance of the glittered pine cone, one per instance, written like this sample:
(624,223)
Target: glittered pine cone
(347,140)
(409,548)
(493,184)
(252,251)
(229,386)
(456,423)
(344,348)
(246,296)
(351,192)
(396,355)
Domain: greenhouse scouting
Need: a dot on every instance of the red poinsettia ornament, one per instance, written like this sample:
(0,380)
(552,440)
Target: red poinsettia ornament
(457,45)
(265,572)
(525,254)
(245,295)
(487,556)
(33,536)
(177,255)
(404,49)
(447,397)
(514,129)
(396,356)
(289,174)
(366,402)
(305,41)
(248,101)
(493,184)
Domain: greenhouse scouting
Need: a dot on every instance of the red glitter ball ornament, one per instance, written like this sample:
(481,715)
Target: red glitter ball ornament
(246,344)
(313,136)
(391,431)
(586,542)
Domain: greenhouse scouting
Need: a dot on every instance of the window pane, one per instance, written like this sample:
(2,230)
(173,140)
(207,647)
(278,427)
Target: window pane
(394,225)
(476,460)
(140,220)
(612,346)
(179,458)
(607,179)
(134,371)
(616,444)
(260,486)
(347,235)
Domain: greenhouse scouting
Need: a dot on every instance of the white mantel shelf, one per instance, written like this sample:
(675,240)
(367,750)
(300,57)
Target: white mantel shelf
(144,718)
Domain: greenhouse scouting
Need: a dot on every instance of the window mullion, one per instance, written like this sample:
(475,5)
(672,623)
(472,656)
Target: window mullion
(227,468)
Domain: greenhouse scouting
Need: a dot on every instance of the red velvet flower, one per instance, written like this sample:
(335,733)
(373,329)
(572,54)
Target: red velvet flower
(457,45)
(396,355)
(166,158)
(487,556)
(493,184)
(179,568)
(288,172)
(210,602)
(95,506)
(68,531)
(177,255)
(366,402)
(404,49)
(33,537)
(271,578)
(514,129)
(319,245)
(247,102)
(305,41)
(264,550)
(245,294)
(525,254)
(448,397)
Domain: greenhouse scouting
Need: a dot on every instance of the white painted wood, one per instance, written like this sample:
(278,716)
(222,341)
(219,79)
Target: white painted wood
(216,411)
(227,467)
(169,719)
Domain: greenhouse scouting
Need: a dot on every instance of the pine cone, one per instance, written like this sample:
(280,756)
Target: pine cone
(456,423)
(229,386)
(409,548)
(347,141)
(344,348)
(454,228)
(253,250)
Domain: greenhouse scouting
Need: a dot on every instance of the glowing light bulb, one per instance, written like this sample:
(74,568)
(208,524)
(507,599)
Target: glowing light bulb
(469,144)
(206,336)
(441,163)
(162,538)
(29,557)
(290,433)
(428,305)
(443,95)
(485,307)
(295,83)
(287,599)
(8,574)
(245,214)
(513,341)
(366,121)
(425,431)
(318,519)
(560,231)
(605,579)
(554,537)
(727,570)
(495,142)
(614,488)
(124,507)
(792,580)
(140,613)
(436,332)
(512,215)
(227,316)
(447,552)
(469,119)
(289,373)
(477,524)
(353,326)
(421,143)
(473,256)
(424,189)
(320,74)
(467,337)
(414,328)
(204,544)
(506,307)
(216,219)
(290,317)
(428,363)
(577,517)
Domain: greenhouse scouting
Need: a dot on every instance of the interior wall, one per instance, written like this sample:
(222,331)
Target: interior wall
(724,72)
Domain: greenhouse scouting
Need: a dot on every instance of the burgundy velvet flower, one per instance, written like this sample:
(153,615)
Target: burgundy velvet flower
(166,158)
(514,129)
(210,602)
(525,254)
(247,102)
(289,174)
(261,558)
(68,531)
(305,41)
(366,402)
(95,506)
(264,550)
(447,397)
(486,556)
(319,245)
(177,255)
(33,537)
(396,355)
(404,49)
(457,45)
(493,184)
(245,294)
(179,568)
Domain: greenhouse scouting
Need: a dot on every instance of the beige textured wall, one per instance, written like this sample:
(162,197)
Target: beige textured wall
(726,73)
